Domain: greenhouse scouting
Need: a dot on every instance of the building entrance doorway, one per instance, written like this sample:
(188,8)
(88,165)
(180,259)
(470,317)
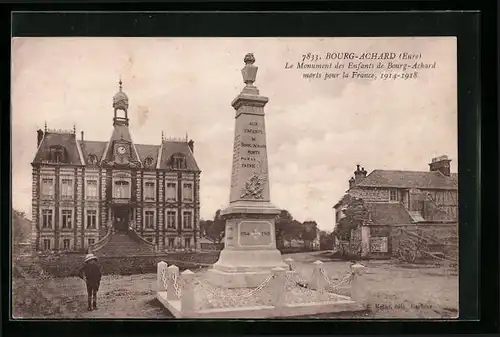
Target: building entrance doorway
(121,219)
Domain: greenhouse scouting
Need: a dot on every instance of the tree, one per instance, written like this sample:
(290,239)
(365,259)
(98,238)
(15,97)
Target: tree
(309,232)
(283,222)
(325,240)
(354,215)
(21,227)
(287,228)
(214,229)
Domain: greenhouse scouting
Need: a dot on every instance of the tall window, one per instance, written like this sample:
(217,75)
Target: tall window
(91,218)
(149,219)
(187,220)
(91,190)
(122,189)
(171,242)
(66,215)
(171,192)
(46,244)
(187,242)
(149,191)
(187,192)
(67,188)
(48,187)
(47,218)
(393,195)
(171,219)
(66,243)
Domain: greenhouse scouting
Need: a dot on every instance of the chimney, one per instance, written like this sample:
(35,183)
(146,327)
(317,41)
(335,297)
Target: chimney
(82,135)
(359,175)
(191,145)
(39,133)
(441,164)
(351,183)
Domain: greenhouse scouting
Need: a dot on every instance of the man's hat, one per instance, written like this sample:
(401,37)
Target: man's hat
(89,257)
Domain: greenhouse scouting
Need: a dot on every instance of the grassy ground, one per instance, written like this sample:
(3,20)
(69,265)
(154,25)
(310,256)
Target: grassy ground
(392,291)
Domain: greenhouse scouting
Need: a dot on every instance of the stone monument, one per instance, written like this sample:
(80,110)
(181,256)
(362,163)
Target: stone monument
(250,251)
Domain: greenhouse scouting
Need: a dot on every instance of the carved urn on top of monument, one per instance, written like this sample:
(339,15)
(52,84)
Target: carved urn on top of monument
(250,251)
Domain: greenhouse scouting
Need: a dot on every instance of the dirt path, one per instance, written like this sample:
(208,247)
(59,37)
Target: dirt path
(392,291)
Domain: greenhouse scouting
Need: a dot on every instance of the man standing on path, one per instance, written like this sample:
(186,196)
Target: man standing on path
(91,273)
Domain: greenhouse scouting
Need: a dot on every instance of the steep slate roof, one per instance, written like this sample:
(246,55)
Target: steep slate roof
(88,147)
(410,179)
(172,147)
(66,140)
(148,151)
(92,147)
(386,213)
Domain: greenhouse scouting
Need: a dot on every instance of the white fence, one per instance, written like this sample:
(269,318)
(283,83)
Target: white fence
(283,288)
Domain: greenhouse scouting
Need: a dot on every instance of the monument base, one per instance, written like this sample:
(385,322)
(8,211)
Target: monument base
(340,306)
(250,250)
(244,269)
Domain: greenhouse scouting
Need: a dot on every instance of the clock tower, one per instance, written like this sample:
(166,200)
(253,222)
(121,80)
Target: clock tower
(120,151)
(120,104)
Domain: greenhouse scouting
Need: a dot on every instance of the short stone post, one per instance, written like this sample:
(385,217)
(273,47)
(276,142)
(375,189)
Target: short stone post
(279,286)
(160,269)
(289,262)
(318,281)
(358,289)
(187,298)
(172,271)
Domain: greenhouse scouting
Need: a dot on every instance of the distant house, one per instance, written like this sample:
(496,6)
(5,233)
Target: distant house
(400,198)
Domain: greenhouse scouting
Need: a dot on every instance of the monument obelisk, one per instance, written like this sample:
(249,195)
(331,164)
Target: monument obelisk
(250,238)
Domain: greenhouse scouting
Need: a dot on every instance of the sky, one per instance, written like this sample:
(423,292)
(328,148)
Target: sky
(317,130)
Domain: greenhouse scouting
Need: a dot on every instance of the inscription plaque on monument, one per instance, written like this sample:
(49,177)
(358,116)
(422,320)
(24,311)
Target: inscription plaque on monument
(255,233)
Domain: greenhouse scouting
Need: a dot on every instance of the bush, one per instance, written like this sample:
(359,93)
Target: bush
(67,265)
(29,299)
(291,250)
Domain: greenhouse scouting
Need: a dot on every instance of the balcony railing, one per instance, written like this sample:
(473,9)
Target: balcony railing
(121,201)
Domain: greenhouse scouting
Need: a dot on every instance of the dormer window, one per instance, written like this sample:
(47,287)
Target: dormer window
(148,162)
(57,154)
(92,159)
(178,162)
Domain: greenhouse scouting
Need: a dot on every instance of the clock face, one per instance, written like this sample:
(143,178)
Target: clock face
(121,150)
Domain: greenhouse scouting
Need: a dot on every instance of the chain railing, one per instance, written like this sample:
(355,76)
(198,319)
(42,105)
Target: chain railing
(297,280)
(227,296)
(346,280)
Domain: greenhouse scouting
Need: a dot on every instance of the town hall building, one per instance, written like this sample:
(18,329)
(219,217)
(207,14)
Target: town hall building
(85,191)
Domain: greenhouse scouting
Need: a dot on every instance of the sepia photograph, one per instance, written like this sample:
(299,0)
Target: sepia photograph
(166,178)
